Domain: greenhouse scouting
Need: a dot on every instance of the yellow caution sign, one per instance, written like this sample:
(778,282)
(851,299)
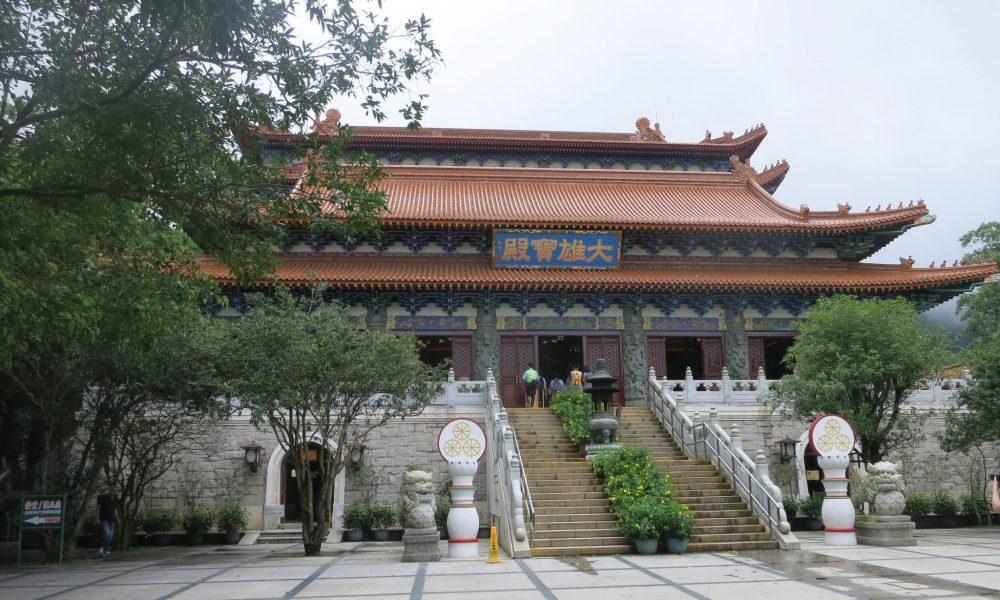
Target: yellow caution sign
(494,547)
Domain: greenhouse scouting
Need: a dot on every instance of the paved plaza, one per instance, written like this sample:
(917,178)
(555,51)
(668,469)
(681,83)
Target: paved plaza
(945,564)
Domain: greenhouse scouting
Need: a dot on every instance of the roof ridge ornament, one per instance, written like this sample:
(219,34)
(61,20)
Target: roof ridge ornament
(328,125)
(647,133)
(844,208)
(906,262)
(744,172)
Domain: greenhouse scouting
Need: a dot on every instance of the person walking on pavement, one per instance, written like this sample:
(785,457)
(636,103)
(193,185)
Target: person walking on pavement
(107,519)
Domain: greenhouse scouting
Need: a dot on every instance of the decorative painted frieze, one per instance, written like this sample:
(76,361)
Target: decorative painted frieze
(681,324)
(560,323)
(773,324)
(432,323)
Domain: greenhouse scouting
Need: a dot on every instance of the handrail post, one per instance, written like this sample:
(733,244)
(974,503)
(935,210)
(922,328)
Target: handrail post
(727,387)
(696,429)
(688,387)
(762,387)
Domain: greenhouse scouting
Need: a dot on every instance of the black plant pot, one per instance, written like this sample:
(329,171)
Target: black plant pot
(814,524)
(161,539)
(927,522)
(196,539)
(952,521)
(231,537)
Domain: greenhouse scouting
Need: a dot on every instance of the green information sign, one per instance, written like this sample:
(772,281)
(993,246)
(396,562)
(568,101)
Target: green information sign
(41,512)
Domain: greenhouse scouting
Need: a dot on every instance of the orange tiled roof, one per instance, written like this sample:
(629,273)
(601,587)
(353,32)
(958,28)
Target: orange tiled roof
(476,196)
(678,274)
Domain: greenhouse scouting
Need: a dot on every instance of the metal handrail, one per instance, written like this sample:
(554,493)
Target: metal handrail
(748,477)
(509,507)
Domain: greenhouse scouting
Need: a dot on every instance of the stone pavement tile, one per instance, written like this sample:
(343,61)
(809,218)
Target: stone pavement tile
(576,563)
(864,553)
(513,594)
(230,590)
(578,579)
(772,590)
(651,592)
(370,586)
(677,560)
(727,574)
(490,582)
(160,576)
(119,592)
(345,569)
(267,573)
(465,568)
(931,565)
(63,577)
(985,579)
(993,559)
(29,593)
(952,550)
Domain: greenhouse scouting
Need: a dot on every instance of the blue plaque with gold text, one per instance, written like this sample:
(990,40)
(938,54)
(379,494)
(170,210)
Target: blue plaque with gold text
(556,249)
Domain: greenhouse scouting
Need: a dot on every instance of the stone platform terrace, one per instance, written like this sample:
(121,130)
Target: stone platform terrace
(953,563)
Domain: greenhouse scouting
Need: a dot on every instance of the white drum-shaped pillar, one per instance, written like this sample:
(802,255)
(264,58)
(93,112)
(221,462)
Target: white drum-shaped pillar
(838,510)
(463,518)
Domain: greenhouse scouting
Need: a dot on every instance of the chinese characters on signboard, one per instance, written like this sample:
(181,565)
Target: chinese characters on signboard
(41,512)
(556,249)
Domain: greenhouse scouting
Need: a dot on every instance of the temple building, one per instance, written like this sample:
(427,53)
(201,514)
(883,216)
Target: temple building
(502,248)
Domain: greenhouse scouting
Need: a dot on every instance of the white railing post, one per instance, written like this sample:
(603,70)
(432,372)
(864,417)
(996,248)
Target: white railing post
(762,387)
(727,387)
(688,388)
(451,375)
(517,497)
(764,471)
(735,441)
(696,433)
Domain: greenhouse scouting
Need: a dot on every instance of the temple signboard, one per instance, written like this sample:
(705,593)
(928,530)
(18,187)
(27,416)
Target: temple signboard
(556,249)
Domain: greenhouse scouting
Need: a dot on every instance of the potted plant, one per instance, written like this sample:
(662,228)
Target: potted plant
(573,410)
(976,509)
(919,507)
(157,523)
(441,509)
(639,522)
(946,507)
(232,521)
(355,520)
(677,526)
(812,508)
(381,516)
(197,522)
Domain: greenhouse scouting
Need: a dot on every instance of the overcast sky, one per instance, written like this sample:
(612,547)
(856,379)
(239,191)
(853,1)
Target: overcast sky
(871,102)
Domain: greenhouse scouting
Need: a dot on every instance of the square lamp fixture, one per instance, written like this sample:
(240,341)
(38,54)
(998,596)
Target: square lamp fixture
(253,453)
(786,449)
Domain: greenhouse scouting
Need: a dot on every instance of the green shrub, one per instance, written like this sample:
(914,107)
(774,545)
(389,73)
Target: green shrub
(355,515)
(382,515)
(642,520)
(918,505)
(975,505)
(944,504)
(232,519)
(198,520)
(677,521)
(630,474)
(791,504)
(573,410)
(441,513)
(158,521)
(811,507)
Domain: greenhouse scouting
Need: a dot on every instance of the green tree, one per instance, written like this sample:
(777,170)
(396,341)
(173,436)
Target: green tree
(308,371)
(974,420)
(860,359)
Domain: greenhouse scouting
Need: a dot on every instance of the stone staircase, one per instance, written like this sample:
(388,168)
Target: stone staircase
(573,515)
(723,521)
(280,536)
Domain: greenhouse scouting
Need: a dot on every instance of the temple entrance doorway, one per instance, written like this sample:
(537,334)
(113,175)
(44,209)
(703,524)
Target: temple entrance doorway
(672,355)
(768,351)
(290,484)
(557,353)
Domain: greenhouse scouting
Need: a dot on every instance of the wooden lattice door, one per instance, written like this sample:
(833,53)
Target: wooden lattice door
(515,354)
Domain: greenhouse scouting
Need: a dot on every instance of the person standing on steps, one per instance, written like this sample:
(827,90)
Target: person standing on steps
(575,377)
(530,380)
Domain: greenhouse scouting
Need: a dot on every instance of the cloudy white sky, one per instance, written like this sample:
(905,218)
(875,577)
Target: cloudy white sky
(870,102)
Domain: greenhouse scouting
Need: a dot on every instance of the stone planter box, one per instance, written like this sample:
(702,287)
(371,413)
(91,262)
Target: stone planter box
(927,522)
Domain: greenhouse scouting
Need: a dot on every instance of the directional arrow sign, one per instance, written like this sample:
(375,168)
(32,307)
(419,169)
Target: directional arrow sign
(41,520)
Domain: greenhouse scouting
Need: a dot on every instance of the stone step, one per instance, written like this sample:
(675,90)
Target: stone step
(713,521)
(579,541)
(732,546)
(563,517)
(704,530)
(556,486)
(576,532)
(573,502)
(565,511)
(732,513)
(582,550)
(542,496)
(706,496)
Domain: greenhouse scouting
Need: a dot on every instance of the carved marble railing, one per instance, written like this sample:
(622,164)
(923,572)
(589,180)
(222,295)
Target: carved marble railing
(461,393)
(510,503)
(751,391)
(710,441)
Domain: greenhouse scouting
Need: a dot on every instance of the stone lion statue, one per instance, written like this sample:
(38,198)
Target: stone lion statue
(882,486)
(417,495)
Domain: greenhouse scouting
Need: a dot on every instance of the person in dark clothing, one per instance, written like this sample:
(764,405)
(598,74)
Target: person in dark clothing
(107,519)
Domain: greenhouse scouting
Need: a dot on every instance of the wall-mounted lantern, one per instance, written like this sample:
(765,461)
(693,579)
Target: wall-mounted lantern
(253,453)
(786,449)
(357,454)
